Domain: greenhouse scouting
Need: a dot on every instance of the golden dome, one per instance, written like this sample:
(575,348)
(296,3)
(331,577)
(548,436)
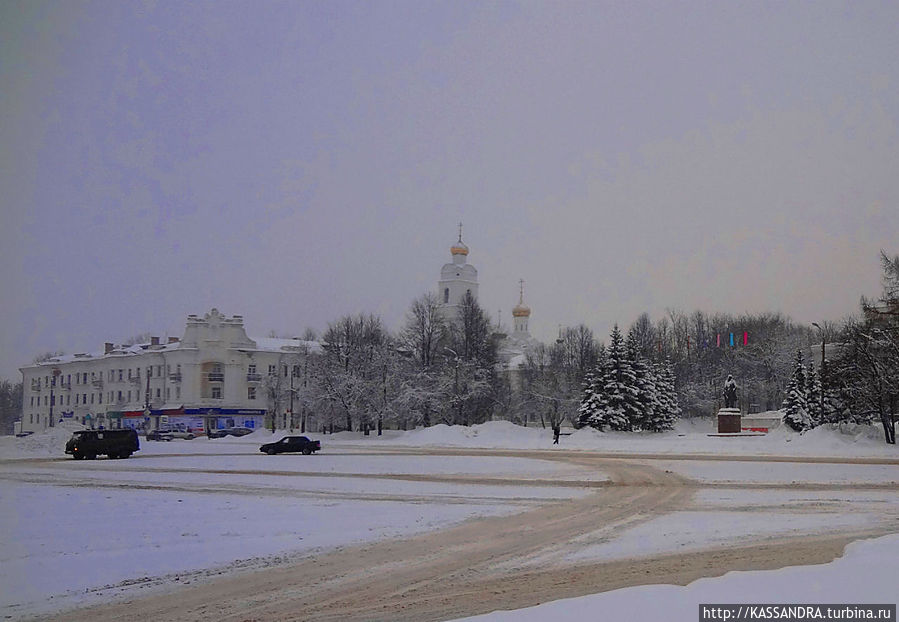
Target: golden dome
(459,248)
(521,311)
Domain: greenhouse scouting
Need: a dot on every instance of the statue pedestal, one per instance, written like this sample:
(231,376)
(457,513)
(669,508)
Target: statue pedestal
(729,421)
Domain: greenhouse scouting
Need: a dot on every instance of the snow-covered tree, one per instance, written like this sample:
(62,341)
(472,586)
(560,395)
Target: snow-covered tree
(668,409)
(795,404)
(645,384)
(619,406)
(590,400)
(813,395)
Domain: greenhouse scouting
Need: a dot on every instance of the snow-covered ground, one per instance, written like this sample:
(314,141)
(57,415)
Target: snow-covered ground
(865,574)
(77,532)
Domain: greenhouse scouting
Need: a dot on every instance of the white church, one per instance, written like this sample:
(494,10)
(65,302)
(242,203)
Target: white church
(458,278)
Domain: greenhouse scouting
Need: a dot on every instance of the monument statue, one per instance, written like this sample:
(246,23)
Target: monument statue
(730,392)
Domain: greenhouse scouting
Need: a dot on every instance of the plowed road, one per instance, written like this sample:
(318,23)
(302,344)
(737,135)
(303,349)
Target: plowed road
(489,563)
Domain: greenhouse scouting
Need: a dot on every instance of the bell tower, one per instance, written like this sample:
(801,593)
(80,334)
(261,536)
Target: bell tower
(457,278)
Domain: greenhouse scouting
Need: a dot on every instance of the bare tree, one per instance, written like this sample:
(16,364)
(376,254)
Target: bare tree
(425,329)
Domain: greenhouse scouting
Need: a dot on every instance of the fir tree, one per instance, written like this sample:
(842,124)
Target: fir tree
(796,402)
(813,396)
(618,400)
(645,384)
(668,409)
(590,403)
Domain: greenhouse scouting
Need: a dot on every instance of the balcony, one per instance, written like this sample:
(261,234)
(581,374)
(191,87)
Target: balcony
(65,386)
(254,377)
(97,384)
(134,379)
(35,385)
(175,376)
(215,376)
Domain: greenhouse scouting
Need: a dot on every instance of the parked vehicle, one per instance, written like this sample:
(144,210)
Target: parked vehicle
(113,443)
(290,444)
(229,432)
(168,432)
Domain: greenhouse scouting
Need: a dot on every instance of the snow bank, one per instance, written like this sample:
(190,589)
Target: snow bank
(691,436)
(865,574)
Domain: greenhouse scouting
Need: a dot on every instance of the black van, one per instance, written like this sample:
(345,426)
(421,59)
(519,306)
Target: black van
(92,443)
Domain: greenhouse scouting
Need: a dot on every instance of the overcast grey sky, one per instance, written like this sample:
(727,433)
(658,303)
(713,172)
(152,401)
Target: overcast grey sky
(294,162)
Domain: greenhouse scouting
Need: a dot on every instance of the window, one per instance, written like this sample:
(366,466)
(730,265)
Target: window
(158,370)
(53,400)
(129,396)
(158,392)
(251,369)
(150,371)
(271,370)
(32,400)
(120,396)
(77,378)
(92,398)
(68,400)
(296,371)
(216,393)
(120,374)
(178,393)
(179,369)
(251,393)
(284,368)
(85,378)
(76,399)
(446,295)
(68,378)
(99,398)
(84,398)
(129,373)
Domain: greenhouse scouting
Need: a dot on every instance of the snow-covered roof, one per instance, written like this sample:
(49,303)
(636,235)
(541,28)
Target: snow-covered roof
(278,344)
(117,351)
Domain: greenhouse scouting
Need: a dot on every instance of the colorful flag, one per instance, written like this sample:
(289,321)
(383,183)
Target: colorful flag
(731,340)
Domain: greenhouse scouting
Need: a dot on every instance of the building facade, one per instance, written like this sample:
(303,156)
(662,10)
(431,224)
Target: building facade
(213,377)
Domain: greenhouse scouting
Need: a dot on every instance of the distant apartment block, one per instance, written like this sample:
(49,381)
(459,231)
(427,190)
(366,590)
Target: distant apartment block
(214,376)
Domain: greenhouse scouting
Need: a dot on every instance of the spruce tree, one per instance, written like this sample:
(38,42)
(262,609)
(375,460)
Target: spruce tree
(618,401)
(668,409)
(645,384)
(795,404)
(813,396)
(590,403)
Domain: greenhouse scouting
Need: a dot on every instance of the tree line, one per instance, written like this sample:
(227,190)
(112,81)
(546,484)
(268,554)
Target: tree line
(860,382)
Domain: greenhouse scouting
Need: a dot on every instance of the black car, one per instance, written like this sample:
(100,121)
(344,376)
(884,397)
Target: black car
(229,432)
(291,444)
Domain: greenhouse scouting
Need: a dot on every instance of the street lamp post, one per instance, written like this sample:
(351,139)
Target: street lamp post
(292,370)
(56,374)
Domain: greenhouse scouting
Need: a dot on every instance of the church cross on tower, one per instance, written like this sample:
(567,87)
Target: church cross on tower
(521,291)
(460,230)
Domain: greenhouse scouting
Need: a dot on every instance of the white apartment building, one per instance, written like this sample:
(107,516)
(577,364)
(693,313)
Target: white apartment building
(213,377)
